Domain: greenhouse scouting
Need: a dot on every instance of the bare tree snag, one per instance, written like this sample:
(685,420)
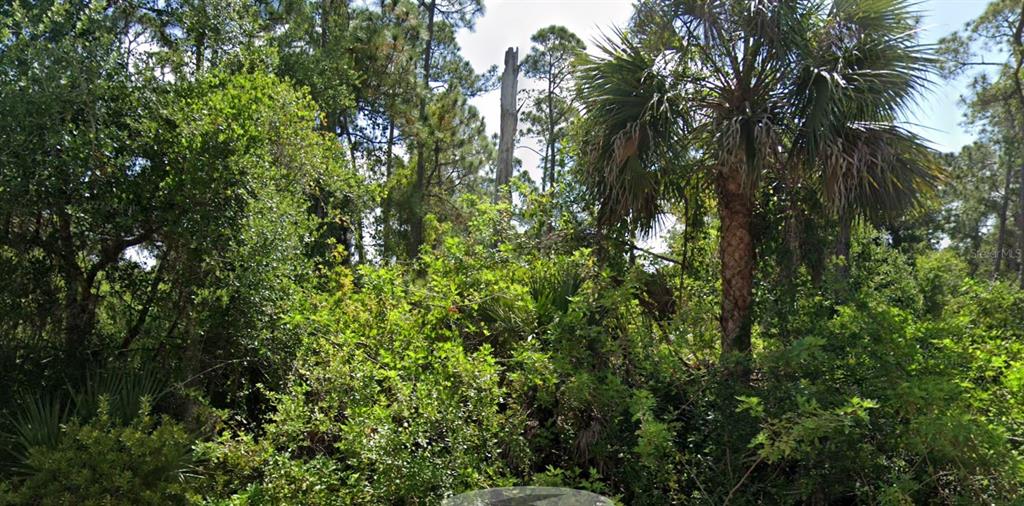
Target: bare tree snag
(509,123)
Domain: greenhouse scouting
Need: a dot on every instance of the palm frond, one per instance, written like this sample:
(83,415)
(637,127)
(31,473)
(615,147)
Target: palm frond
(878,170)
(633,131)
(36,422)
(125,391)
(861,74)
(865,64)
(552,290)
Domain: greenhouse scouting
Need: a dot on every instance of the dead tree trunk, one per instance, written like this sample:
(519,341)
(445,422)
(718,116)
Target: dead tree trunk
(509,121)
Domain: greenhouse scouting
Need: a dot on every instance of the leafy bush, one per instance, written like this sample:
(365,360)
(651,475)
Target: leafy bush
(104,462)
(872,401)
(385,399)
(506,365)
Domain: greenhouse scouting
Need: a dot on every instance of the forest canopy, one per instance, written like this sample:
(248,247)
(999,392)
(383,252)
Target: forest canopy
(266,252)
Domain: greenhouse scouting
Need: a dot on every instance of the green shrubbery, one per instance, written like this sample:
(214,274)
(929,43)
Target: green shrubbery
(249,254)
(502,366)
(873,399)
(105,461)
(488,366)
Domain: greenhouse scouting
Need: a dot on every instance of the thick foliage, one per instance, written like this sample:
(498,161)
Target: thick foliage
(499,365)
(191,310)
(106,461)
(876,396)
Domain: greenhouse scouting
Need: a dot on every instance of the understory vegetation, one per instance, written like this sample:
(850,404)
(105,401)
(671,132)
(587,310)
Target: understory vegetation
(253,253)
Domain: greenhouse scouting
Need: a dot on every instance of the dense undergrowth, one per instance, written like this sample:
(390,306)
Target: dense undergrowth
(484,365)
(254,253)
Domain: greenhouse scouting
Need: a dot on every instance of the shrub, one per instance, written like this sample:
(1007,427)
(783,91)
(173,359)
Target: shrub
(104,462)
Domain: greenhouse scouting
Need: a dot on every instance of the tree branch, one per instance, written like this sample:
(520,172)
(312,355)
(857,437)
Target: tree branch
(659,256)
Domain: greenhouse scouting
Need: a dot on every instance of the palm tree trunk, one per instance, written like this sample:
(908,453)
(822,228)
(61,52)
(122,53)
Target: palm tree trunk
(792,231)
(736,251)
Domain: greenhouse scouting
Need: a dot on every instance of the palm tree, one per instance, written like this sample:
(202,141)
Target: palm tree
(804,92)
(852,96)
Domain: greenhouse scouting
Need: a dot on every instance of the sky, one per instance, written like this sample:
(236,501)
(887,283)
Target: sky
(509,23)
(940,114)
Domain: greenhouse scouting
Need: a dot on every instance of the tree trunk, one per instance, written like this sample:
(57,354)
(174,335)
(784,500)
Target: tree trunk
(358,228)
(550,148)
(200,52)
(509,120)
(140,320)
(385,208)
(79,302)
(80,319)
(736,251)
(360,240)
(843,241)
(420,184)
(1020,230)
(792,232)
(975,253)
(1003,211)
(1018,52)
